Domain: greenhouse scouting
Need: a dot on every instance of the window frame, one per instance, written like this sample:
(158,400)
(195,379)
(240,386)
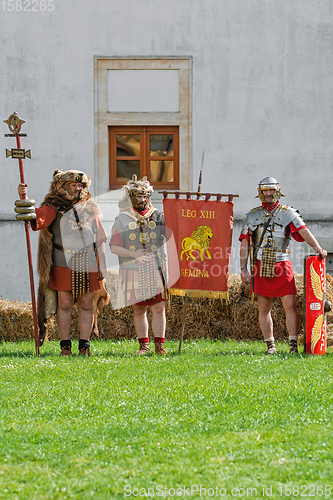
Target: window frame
(145,158)
(104,118)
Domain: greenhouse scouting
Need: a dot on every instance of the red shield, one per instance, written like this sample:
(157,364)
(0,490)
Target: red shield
(314,300)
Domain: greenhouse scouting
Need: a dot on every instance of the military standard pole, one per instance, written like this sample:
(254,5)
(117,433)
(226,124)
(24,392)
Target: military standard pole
(183,323)
(14,124)
(200,176)
(198,193)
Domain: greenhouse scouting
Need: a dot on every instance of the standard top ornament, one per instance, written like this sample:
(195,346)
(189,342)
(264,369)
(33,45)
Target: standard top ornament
(14,123)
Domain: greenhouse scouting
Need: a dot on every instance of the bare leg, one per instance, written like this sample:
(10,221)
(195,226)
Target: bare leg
(86,315)
(158,326)
(158,319)
(64,314)
(140,321)
(292,319)
(265,318)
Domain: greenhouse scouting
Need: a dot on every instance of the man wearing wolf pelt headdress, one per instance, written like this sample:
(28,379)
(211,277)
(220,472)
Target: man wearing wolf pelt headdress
(138,237)
(71,256)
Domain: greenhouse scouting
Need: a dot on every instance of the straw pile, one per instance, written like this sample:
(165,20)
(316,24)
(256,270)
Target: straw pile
(205,318)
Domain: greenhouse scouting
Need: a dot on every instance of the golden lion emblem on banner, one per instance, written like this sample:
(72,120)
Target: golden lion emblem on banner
(199,240)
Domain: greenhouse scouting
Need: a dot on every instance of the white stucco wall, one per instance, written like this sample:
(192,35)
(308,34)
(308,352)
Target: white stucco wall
(262,97)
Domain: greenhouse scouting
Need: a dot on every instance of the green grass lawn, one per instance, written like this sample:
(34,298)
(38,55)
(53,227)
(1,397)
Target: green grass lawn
(221,416)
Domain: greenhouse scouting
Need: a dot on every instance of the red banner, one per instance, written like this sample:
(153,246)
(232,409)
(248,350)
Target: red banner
(314,300)
(203,232)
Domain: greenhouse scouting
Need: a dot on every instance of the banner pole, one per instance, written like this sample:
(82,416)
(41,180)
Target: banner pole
(183,323)
(186,294)
(200,176)
(219,195)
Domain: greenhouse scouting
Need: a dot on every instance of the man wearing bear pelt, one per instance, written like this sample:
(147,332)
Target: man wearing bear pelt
(71,256)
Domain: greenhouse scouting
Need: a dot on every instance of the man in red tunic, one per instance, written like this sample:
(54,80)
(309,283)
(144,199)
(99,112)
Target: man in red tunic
(137,238)
(71,240)
(269,228)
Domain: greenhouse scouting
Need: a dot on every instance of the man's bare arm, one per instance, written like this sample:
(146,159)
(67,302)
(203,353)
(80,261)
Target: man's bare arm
(139,255)
(311,240)
(244,254)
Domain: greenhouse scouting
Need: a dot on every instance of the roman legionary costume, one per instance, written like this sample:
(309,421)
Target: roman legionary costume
(141,228)
(269,229)
(140,283)
(70,234)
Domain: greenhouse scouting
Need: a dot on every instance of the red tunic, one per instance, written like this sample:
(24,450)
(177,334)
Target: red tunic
(283,282)
(61,277)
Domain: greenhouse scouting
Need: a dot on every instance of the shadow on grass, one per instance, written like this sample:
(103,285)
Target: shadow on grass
(171,355)
(101,350)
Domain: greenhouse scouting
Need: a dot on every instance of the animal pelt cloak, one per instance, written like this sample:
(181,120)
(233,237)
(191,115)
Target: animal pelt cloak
(61,200)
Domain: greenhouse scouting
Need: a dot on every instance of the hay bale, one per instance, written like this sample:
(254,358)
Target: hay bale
(205,318)
(16,321)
